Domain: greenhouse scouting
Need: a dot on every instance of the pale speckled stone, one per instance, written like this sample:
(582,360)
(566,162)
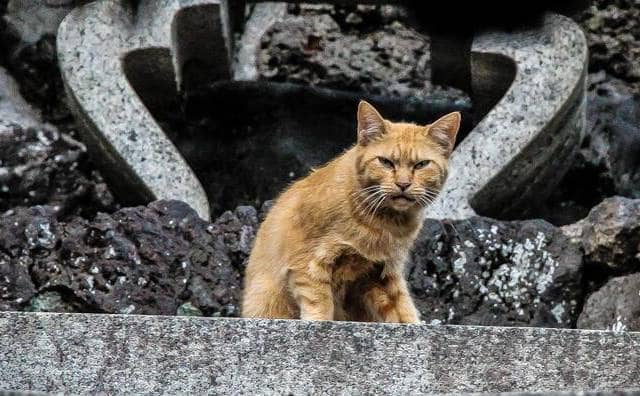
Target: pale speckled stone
(89,354)
(128,143)
(517,152)
(262,19)
(514,154)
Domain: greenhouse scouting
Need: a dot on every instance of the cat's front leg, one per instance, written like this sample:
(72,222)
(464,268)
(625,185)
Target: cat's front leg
(407,311)
(311,289)
(390,300)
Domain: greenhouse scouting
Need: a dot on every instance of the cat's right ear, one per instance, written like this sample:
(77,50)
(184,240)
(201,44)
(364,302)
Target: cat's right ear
(445,130)
(370,124)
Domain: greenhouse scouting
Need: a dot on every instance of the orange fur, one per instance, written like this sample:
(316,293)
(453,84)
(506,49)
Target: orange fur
(334,245)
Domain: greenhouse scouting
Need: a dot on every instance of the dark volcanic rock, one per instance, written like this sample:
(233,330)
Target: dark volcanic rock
(616,306)
(35,67)
(362,49)
(613,140)
(28,51)
(610,236)
(32,19)
(613,33)
(608,161)
(16,287)
(146,260)
(39,166)
(487,272)
(163,259)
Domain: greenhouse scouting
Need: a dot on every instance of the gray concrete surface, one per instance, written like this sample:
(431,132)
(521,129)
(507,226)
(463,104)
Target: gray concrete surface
(82,354)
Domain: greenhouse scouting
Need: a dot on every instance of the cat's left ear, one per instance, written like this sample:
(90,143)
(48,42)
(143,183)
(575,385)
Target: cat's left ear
(445,130)
(370,124)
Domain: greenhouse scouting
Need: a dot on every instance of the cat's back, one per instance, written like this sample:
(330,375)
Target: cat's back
(306,209)
(312,200)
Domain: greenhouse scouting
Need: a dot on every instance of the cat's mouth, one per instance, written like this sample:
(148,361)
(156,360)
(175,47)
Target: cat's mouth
(402,198)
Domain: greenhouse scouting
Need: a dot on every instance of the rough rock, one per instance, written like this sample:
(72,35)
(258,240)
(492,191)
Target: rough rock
(28,51)
(616,306)
(487,272)
(51,301)
(16,288)
(610,236)
(613,139)
(613,31)
(32,19)
(35,68)
(13,108)
(40,166)
(362,49)
(161,259)
(608,161)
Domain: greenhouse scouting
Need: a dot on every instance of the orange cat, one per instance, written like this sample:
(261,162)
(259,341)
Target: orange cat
(334,245)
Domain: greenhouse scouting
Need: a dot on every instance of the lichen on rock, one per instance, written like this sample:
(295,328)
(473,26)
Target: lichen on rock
(483,271)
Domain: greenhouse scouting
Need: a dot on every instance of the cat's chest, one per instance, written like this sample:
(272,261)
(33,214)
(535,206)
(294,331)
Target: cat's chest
(351,267)
(381,247)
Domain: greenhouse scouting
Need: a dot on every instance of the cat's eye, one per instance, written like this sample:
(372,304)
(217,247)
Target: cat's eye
(386,162)
(421,164)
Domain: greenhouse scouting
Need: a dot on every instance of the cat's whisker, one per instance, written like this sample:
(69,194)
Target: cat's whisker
(367,194)
(369,188)
(363,197)
(368,200)
(429,198)
(379,197)
(424,201)
(430,193)
(427,191)
(373,214)
(365,190)
(371,199)
(454,229)
(373,204)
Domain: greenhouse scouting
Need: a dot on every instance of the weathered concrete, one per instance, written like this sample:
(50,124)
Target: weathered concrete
(76,353)
(618,392)
(515,153)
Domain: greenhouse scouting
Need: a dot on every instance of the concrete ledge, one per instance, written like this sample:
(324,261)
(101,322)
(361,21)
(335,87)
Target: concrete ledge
(79,354)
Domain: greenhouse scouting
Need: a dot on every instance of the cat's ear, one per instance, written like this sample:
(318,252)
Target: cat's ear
(370,123)
(444,131)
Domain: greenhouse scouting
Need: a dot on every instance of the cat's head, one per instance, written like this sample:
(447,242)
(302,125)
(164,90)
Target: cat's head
(401,166)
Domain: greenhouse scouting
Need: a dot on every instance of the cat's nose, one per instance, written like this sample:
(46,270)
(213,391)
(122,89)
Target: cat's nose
(403,185)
